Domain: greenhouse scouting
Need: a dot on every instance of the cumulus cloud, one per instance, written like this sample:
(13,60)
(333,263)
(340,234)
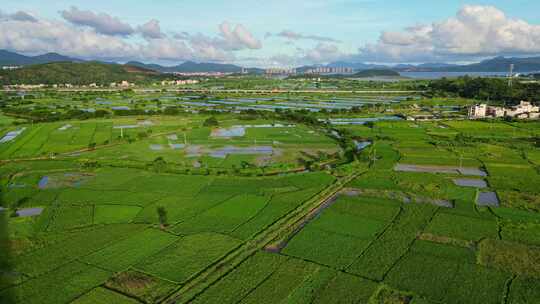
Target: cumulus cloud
(237,37)
(18,16)
(321,53)
(151,30)
(230,38)
(476,31)
(181,36)
(101,22)
(54,36)
(107,40)
(290,35)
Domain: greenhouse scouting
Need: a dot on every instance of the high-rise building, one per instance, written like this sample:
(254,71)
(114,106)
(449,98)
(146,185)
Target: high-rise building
(280,71)
(327,70)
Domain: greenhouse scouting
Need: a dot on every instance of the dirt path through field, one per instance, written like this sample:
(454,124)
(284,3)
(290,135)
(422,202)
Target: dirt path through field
(281,229)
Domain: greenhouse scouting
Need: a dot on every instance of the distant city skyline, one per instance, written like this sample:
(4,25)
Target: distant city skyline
(273,33)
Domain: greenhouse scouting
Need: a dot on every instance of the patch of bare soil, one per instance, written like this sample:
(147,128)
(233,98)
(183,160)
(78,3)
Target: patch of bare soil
(130,281)
(401,196)
(445,240)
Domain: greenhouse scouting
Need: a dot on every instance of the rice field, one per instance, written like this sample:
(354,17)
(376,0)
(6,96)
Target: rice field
(163,209)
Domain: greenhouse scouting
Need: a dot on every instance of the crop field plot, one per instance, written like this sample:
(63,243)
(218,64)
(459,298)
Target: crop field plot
(102,295)
(447,274)
(187,256)
(61,285)
(267,278)
(267,208)
(342,232)
(232,145)
(462,227)
(140,286)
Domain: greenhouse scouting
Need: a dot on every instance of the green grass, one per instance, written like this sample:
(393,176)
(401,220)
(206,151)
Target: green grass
(130,251)
(98,239)
(102,295)
(146,288)
(225,217)
(524,291)
(346,289)
(113,214)
(278,206)
(462,227)
(66,217)
(327,248)
(289,276)
(447,274)
(510,257)
(342,232)
(61,285)
(381,255)
(242,280)
(187,256)
(74,245)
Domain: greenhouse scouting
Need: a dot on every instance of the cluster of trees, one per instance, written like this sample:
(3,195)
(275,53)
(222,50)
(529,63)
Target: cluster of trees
(495,89)
(302,116)
(211,122)
(46,115)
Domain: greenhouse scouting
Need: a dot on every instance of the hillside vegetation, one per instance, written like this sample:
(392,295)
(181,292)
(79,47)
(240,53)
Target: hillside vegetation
(77,74)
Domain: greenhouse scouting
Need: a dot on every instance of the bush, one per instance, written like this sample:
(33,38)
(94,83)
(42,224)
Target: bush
(211,122)
(162,215)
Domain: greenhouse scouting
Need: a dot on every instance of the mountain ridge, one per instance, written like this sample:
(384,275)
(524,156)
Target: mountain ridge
(8,58)
(496,64)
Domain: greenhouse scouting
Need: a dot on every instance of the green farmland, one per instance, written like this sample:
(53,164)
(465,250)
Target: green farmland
(257,207)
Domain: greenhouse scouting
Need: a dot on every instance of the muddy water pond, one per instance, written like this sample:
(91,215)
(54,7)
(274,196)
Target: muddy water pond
(466,182)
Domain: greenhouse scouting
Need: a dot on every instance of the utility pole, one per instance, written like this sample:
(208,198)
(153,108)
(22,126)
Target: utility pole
(510,81)
(511,76)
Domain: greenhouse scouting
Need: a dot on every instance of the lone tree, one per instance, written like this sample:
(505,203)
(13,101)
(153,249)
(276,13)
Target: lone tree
(159,164)
(370,124)
(162,215)
(211,122)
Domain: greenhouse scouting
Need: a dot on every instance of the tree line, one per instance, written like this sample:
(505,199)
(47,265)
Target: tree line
(486,89)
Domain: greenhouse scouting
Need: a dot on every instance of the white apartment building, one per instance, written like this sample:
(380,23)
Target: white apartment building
(524,110)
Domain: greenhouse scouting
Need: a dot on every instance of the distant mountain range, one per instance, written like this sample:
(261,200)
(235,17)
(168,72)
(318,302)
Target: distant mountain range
(194,67)
(13,59)
(497,64)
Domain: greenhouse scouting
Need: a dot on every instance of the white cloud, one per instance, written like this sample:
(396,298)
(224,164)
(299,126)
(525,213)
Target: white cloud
(18,16)
(291,35)
(102,41)
(151,30)
(237,37)
(54,36)
(102,23)
(475,32)
(321,53)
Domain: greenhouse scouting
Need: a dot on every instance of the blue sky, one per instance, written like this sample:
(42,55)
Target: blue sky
(284,33)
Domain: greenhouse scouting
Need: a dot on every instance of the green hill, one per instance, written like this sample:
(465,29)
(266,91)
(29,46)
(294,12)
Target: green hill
(77,74)
(375,73)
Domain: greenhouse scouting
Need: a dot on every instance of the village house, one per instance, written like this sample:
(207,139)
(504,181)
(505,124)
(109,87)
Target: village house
(524,110)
